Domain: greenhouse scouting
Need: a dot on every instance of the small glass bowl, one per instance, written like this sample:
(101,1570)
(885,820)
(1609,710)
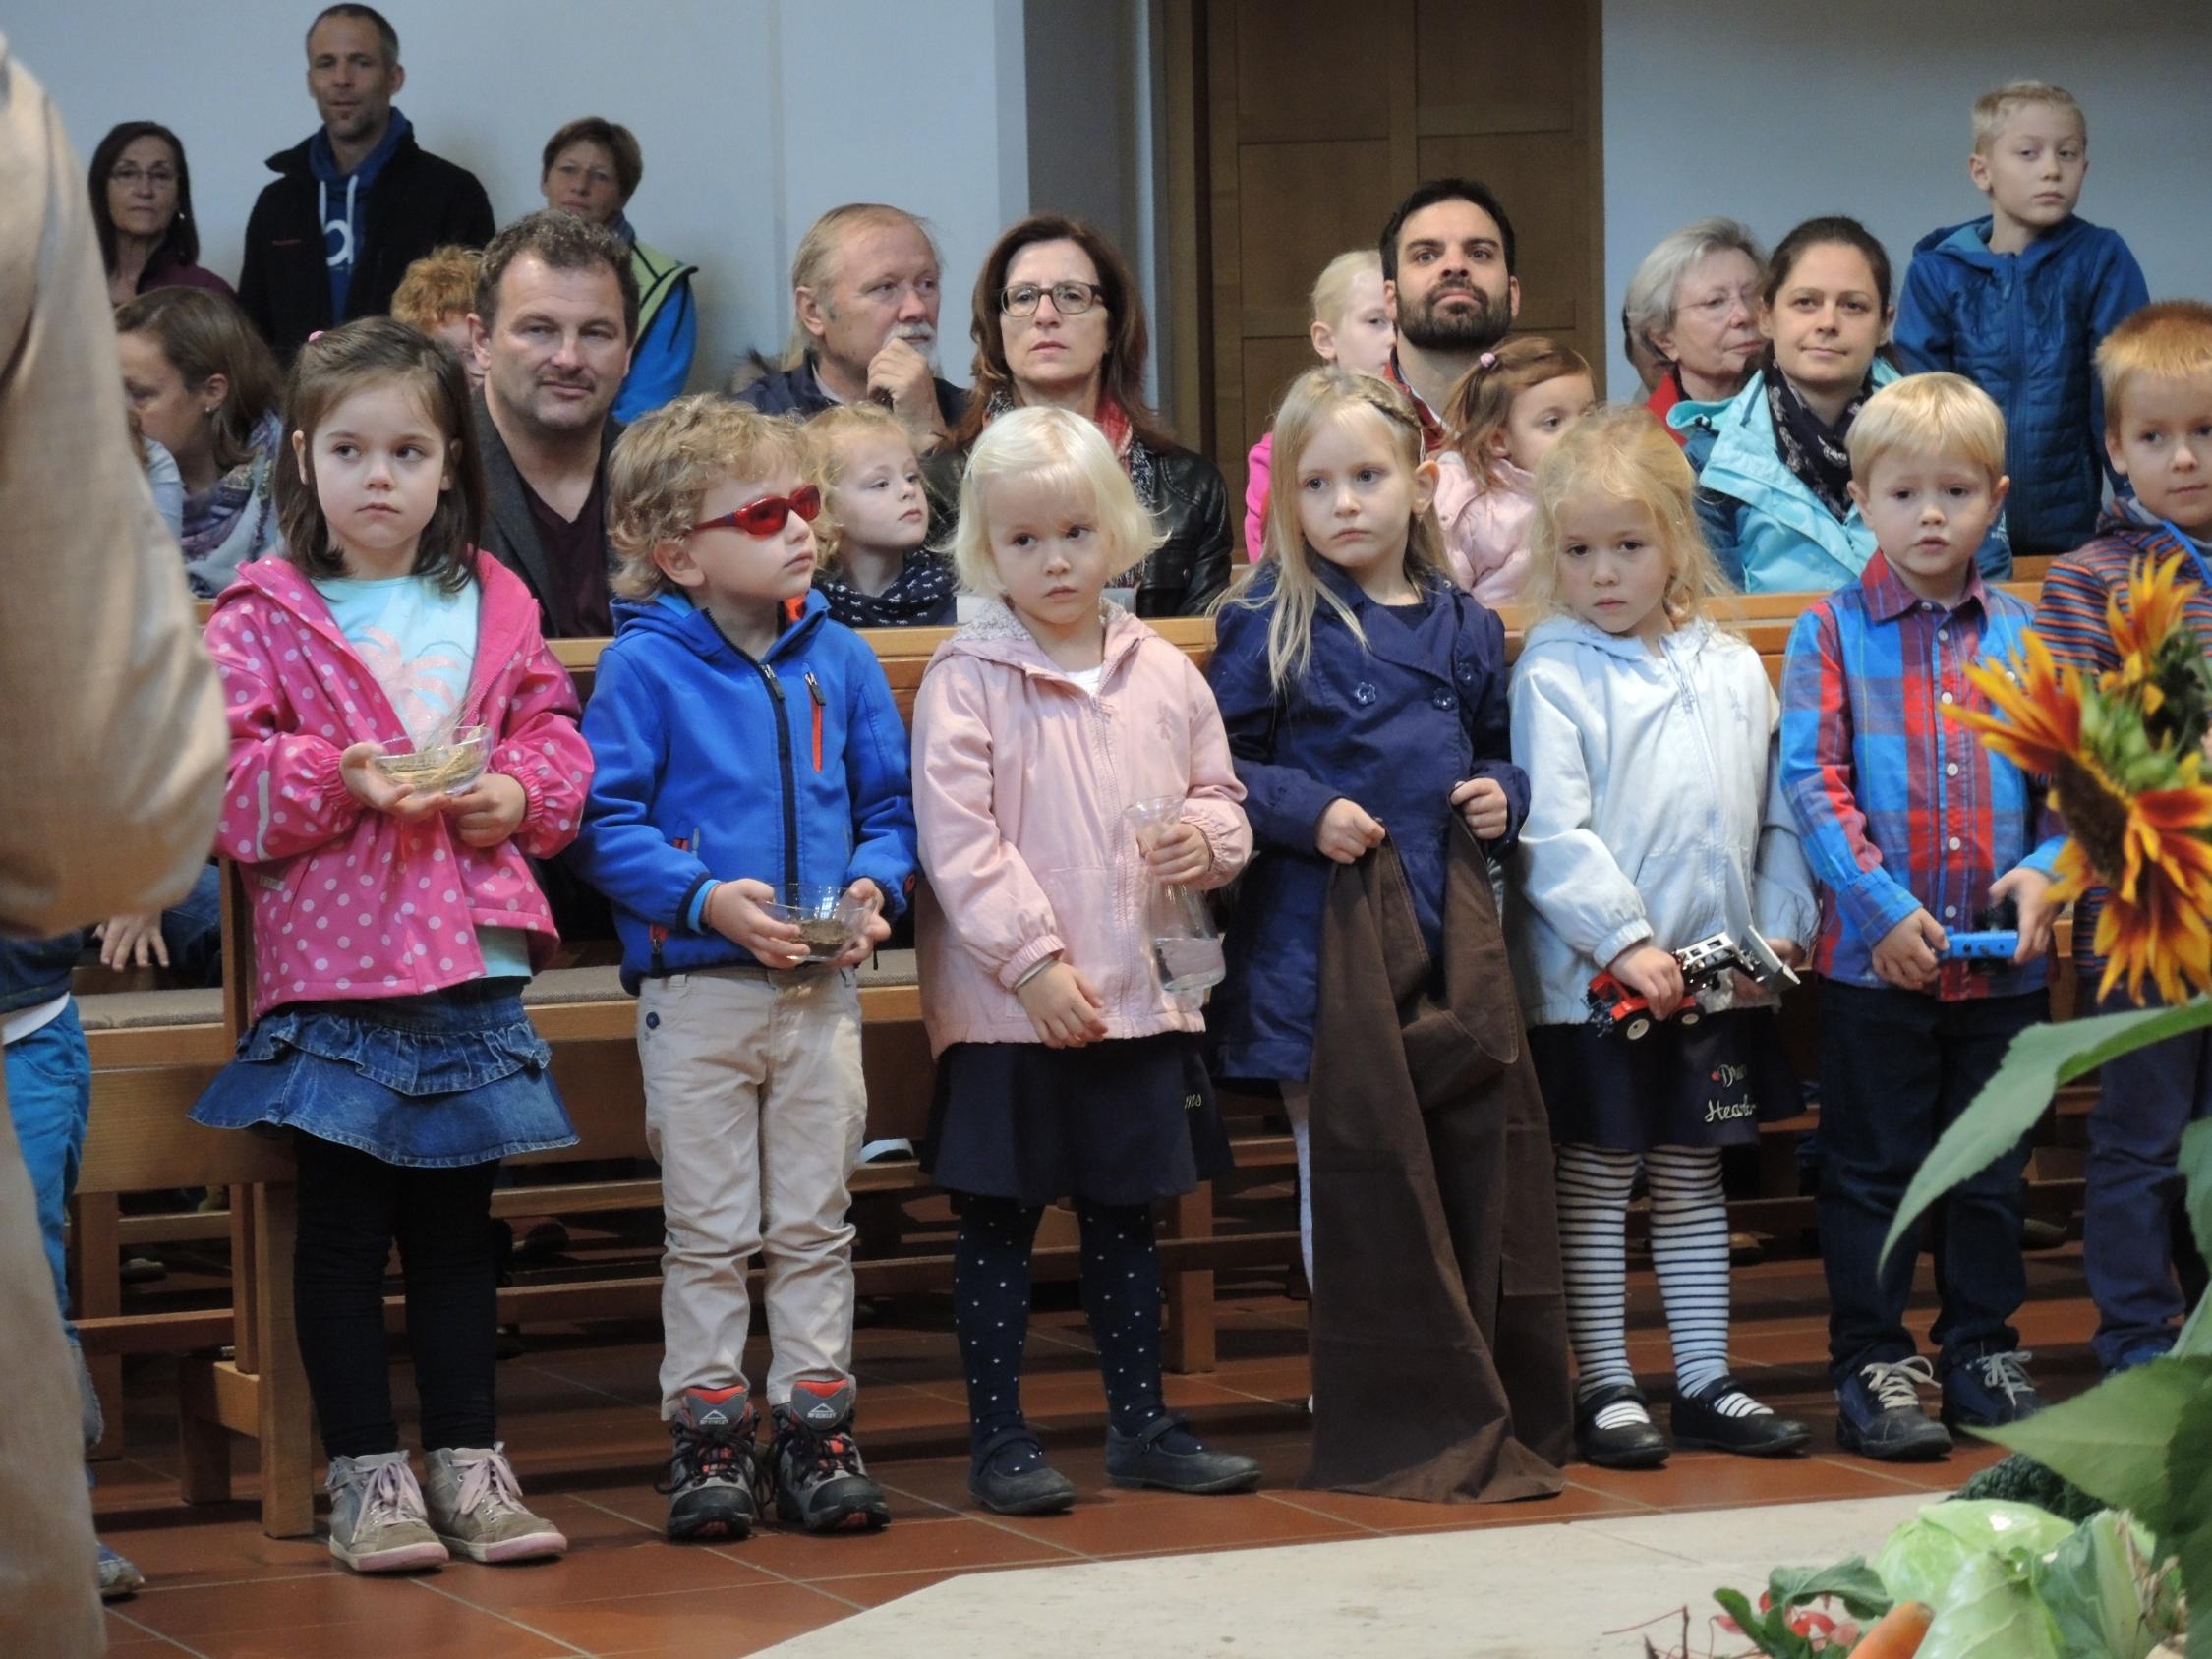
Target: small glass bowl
(828,921)
(440,767)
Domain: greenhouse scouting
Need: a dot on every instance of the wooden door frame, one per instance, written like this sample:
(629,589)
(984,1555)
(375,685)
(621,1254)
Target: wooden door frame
(1187,374)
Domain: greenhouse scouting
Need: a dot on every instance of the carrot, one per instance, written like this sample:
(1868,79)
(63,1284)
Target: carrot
(1897,1635)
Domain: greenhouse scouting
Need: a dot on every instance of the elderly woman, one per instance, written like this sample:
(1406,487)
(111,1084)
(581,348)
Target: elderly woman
(592,168)
(141,208)
(1058,320)
(1693,305)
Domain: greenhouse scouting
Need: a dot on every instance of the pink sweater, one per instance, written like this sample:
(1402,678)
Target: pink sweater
(1486,529)
(1020,778)
(354,903)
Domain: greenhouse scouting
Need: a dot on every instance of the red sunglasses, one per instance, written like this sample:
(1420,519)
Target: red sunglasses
(766,516)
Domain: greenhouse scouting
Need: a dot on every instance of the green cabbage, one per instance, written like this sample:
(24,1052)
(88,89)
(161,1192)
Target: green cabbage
(2102,1593)
(1989,1611)
(1925,1554)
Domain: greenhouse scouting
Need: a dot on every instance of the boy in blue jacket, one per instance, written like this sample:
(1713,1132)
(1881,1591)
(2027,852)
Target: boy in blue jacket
(2018,300)
(746,744)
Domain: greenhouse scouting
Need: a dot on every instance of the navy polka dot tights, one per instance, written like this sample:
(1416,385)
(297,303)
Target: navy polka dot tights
(1121,1286)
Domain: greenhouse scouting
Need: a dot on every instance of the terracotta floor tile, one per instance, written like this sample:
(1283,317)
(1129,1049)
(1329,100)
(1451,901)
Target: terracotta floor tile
(878,1588)
(180,1549)
(634,1564)
(721,1622)
(458,1633)
(1397,1514)
(1703,1480)
(953,1544)
(1111,1524)
(322,1598)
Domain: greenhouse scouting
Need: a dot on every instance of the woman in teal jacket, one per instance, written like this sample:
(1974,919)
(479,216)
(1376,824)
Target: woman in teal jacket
(1771,465)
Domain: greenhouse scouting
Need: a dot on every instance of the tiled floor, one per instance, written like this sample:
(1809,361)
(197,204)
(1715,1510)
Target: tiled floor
(577,1414)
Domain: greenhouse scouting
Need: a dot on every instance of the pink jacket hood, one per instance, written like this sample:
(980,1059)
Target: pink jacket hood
(1486,525)
(349,902)
(1020,779)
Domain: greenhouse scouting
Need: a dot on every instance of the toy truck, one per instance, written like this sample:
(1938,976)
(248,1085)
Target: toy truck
(1706,967)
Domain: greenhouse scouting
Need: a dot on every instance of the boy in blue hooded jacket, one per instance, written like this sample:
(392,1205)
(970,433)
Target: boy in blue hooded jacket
(2017,302)
(746,745)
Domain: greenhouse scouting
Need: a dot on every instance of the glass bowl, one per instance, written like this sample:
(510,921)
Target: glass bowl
(828,921)
(440,767)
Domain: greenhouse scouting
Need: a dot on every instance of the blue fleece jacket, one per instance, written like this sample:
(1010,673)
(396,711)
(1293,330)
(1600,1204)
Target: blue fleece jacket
(2025,327)
(712,766)
(338,198)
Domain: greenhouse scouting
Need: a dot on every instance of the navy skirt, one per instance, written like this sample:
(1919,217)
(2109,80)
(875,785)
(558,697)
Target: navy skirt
(1707,1085)
(457,1076)
(1124,1121)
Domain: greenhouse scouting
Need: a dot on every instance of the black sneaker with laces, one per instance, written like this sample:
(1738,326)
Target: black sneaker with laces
(814,1464)
(715,1468)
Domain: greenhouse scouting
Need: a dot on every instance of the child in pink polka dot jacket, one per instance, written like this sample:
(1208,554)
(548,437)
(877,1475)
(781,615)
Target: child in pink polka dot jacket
(394,925)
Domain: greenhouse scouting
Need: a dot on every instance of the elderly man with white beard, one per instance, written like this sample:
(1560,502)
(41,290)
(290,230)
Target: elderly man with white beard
(864,293)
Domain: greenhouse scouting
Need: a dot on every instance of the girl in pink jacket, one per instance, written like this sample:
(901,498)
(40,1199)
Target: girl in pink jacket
(395,919)
(1505,412)
(1063,1068)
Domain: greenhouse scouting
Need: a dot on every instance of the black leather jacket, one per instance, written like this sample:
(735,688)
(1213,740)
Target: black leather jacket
(1189,506)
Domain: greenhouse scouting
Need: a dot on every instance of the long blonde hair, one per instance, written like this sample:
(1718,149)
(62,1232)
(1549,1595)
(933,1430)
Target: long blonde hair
(1621,451)
(1314,399)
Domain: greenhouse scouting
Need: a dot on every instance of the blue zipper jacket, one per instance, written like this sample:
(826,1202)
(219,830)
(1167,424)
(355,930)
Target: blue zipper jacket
(35,970)
(713,767)
(2024,327)
(1767,530)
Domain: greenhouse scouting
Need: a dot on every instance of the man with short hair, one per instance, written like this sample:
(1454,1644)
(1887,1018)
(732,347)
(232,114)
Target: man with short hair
(556,318)
(357,204)
(1447,277)
(865,292)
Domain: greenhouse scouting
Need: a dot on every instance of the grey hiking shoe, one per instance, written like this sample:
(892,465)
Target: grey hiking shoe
(376,1518)
(476,1508)
(714,1469)
(814,1464)
(119,1576)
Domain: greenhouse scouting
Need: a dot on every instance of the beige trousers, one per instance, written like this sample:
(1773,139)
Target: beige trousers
(754,1106)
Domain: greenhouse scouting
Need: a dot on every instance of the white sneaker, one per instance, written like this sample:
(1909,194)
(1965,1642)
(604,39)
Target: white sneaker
(476,1508)
(378,1522)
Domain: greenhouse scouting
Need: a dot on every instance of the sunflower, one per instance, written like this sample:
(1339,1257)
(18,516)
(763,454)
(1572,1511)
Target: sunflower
(2037,718)
(2154,920)
(2145,627)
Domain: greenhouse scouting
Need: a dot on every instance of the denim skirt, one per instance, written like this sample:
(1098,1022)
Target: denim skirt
(458,1076)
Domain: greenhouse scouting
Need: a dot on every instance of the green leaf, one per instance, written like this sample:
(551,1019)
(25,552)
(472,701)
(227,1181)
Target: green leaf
(2196,1171)
(1852,1583)
(2187,1531)
(1769,1632)
(2114,1440)
(2040,1060)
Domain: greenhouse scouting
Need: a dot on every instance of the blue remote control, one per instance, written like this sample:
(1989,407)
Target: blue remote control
(1990,946)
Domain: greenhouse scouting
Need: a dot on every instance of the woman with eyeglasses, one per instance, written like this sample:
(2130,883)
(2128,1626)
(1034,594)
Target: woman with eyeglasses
(1693,305)
(1059,322)
(141,208)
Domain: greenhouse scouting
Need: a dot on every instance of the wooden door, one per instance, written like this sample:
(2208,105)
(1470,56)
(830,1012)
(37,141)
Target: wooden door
(1313,118)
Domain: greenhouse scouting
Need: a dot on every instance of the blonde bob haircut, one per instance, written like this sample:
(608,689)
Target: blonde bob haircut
(1316,399)
(1929,414)
(1620,451)
(1996,107)
(1332,289)
(2166,340)
(1052,449)
(665,464)
(829,437)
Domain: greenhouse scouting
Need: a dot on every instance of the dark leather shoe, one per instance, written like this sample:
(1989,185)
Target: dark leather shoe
(1700,1426)
(1144,1460)
(1040,1490)
(1631,1446)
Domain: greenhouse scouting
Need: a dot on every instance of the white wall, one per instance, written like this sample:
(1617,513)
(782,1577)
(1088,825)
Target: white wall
(1773,113)
(754,116)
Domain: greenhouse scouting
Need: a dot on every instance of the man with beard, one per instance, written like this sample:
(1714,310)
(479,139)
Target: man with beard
(1447,278)
(865,292)
(555,316)
(359,202)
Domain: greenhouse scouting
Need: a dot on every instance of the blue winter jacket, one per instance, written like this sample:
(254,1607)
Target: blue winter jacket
(713,765)
(1396,725)
(1768,532)
(2024,327)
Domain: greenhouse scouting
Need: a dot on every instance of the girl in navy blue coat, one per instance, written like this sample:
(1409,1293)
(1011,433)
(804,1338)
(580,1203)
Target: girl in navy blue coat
(1365,696)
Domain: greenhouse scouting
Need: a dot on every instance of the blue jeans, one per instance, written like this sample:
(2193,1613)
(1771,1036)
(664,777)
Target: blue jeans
(2144,1100)
(192,930)
(1897,1067)
(50,1098)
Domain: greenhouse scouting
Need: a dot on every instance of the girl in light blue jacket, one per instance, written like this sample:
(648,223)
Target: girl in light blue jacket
(1654,823)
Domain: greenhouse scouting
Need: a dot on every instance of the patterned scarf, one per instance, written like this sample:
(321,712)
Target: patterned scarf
(1810,448)
(211,520)
(1137,459)
(920,595)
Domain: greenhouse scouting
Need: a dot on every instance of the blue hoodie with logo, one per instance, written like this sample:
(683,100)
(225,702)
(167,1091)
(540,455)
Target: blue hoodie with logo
(337,199)
(2026,329)
(713,765)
